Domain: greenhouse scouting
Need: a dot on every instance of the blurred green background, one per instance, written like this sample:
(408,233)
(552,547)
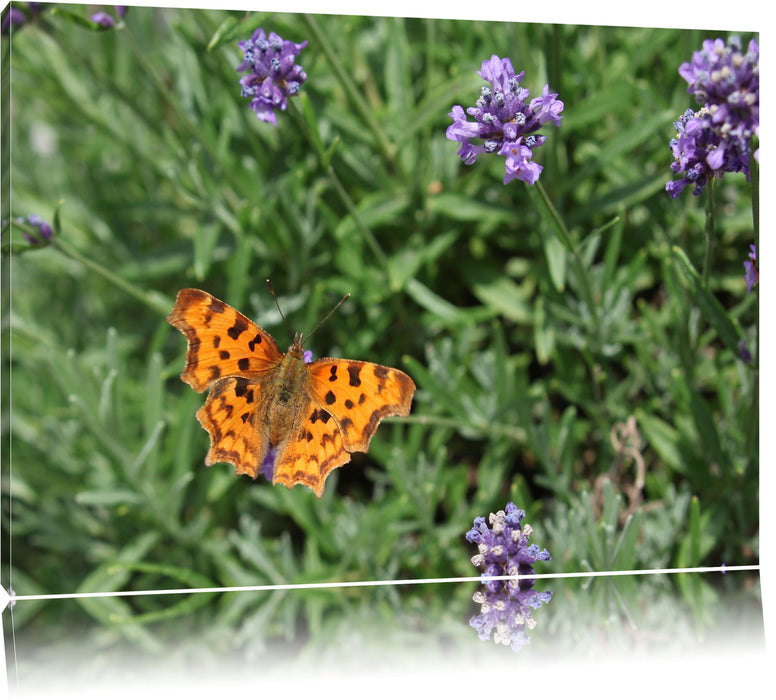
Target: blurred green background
(626,428)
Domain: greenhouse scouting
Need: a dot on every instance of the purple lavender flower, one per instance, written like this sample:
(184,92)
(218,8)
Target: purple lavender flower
(17,17)
(727,81)
(717,138)
(504,123)
(507,616)
(752,275)
(103,19)
(273,75)
(700,153)
(14,17)
(504,550)
(268,465)
(44,230)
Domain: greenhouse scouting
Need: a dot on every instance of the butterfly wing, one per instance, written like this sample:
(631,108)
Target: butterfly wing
(232,417)
(237,360)
(313,450)
(221,341)
(359,395)
(347,400)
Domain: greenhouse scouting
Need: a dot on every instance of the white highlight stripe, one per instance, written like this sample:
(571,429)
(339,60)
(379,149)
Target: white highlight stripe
(396,582)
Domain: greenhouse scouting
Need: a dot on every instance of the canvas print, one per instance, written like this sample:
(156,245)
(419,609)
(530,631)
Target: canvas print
(337,342)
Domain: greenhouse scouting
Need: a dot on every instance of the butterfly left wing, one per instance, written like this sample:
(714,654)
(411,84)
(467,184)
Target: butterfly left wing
(233,420)
(221,341)
(359,395)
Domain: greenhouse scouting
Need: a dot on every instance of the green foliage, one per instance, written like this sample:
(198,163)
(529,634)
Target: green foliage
(534,320)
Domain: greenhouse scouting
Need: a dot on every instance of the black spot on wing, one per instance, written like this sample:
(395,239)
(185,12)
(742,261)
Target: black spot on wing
(241,389)
(354,371)
(319,414)
(380,371)
(216,306)
(239,327)
(256,341)
(224,406)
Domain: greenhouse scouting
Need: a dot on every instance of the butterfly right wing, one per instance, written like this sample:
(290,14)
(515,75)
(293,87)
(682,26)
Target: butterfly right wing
(359,395)
(313,449)
(221,341)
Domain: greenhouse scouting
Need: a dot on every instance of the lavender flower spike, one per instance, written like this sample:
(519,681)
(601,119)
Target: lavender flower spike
(717,139)
(273,74)
(504,550)
(727,81)
(504,123)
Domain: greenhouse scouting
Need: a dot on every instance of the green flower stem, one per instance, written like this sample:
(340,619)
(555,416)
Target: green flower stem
(562,232)
(150,300)
(711,223)
(344,196)
(754,182)
(387,149)
(752,431)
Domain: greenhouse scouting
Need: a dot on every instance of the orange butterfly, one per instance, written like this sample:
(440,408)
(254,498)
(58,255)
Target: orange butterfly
(274,413)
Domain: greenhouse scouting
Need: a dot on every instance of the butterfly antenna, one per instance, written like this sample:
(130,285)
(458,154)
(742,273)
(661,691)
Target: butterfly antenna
(326,317)
(275,297)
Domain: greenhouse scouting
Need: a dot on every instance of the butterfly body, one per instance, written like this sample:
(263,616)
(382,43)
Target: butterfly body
(271,412)
(291,380)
